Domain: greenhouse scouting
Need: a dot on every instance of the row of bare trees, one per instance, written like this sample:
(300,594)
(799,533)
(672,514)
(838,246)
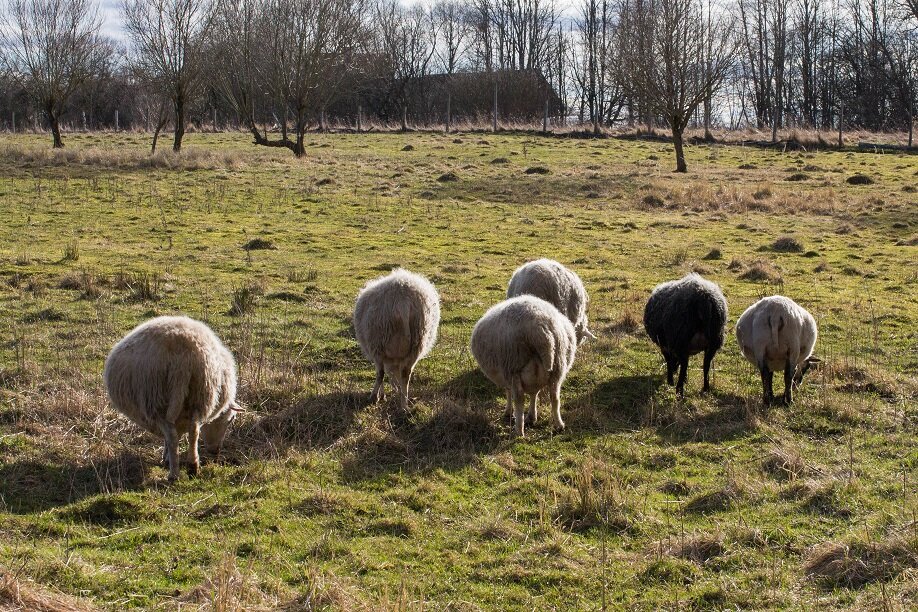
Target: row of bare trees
(279,66)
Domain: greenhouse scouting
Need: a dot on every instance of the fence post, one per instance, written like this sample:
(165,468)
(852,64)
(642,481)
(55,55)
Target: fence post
(449,100)
(359,118)
(841,120)
(14,121)
(545,118)
(494,110)
(117,123)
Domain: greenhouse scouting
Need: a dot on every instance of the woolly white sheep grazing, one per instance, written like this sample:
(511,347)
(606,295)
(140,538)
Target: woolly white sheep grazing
(524,345)
(172,375)
(557,285)
(777,334)
(395,321)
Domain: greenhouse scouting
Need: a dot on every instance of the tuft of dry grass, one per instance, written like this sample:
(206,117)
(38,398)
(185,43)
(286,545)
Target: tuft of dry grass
(629,323)
(259,244)
(761,271)
(229,588)
(18,594)
(245,299)
(783,464)
(787,244)
(699,548)
(714,501)
(858,563)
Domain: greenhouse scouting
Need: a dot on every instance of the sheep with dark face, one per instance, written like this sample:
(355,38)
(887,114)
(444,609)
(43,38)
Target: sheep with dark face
(685,317)
(557,285)
(171,376)
(525,345)
(395,320)
(776,334)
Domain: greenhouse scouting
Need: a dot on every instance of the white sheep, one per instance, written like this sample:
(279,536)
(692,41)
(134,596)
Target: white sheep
(395,320)
(171,376)
(777,334)
(524,345)
(557,285)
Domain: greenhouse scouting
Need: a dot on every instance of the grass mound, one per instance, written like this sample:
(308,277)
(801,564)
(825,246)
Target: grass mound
(857,563)
(859,179)
(259,244)
(787,244)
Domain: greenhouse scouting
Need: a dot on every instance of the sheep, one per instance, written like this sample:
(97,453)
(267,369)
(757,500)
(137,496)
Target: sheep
(557,285)
(395,320)
(524,345)
(171,376)
(685,317)
(778,334)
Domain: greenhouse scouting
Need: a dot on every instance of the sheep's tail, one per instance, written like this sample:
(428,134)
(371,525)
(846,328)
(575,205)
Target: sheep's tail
(775,329)
(547,352)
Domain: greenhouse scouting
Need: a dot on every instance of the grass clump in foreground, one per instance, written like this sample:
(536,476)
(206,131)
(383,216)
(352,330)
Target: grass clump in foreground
(321,499)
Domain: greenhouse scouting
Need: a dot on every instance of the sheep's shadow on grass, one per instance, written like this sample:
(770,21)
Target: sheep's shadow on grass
(729,420)
(453,433)
(31,485)
(615,404)
(312,422)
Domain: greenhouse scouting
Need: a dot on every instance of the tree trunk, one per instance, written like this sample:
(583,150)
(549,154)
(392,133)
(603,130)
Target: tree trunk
(55,130)
(545,118)
(449,101)
(680,154)
(159,126)
(179,123)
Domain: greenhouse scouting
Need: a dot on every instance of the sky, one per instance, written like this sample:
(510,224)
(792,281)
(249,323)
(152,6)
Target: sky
(111,25)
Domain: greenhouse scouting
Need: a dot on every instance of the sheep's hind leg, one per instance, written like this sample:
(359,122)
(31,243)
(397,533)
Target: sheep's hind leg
(708,358)
(767,382)
(194,461)
(405,373)
(533,409)
(516,397)
(556,406)
(683,371)
(378,393)
(171,438)
(789,370)
(671,365)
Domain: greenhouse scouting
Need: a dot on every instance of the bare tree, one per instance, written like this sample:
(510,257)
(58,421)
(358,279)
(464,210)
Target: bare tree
(168,38)
(286,57)
(679,72)
(51,48)
(405,38)
(453,27)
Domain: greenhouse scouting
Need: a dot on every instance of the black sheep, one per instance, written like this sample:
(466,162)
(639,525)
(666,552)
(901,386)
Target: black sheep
(685,317)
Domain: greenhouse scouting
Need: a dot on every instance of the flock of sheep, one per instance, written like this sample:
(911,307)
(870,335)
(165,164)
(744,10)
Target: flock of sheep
(172,375)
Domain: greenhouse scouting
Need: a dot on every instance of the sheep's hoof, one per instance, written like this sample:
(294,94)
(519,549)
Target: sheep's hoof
(193,469)
(706,389)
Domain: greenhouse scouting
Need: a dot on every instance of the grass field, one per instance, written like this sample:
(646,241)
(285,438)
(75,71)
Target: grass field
(321,500)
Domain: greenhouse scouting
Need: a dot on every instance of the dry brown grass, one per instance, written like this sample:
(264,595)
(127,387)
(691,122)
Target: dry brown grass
(783,463)
(858,562)
(761,271)
(228,588)
(699,548)
(17,594)
(189,159)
